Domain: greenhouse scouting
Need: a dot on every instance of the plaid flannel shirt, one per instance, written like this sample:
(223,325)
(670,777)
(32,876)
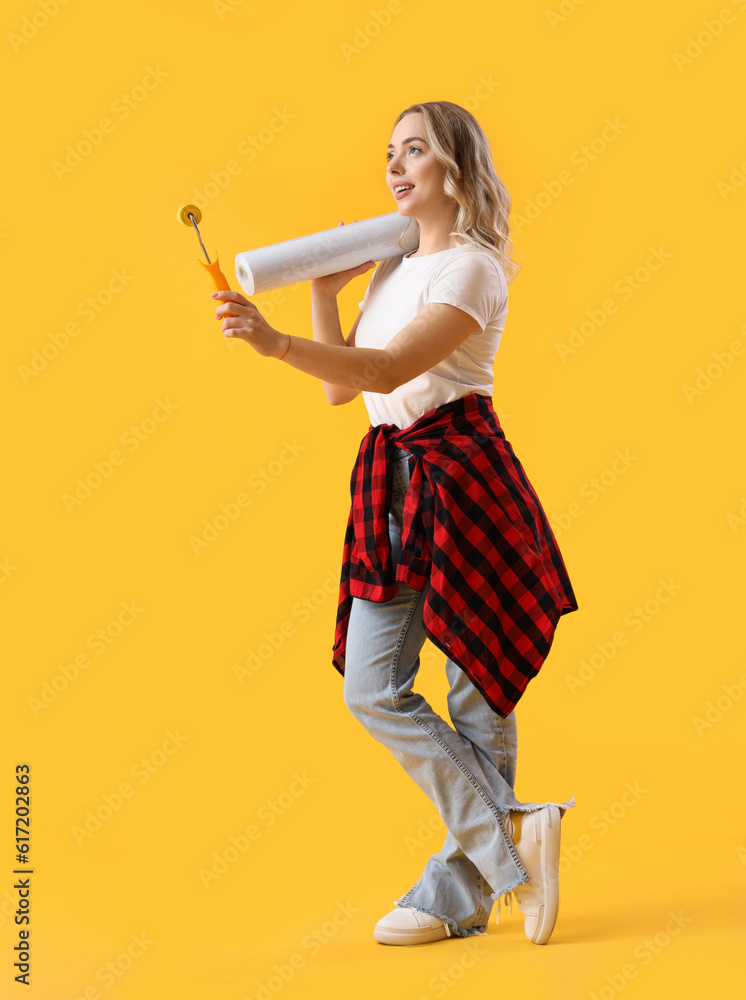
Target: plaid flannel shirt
(474,529)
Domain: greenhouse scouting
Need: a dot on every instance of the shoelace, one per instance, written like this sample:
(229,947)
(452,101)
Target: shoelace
(506,900)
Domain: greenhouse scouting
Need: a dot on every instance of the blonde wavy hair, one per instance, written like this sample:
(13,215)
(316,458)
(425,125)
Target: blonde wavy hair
(458,142)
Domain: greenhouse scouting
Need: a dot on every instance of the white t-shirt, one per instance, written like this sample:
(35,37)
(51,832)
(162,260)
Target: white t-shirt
(400,286)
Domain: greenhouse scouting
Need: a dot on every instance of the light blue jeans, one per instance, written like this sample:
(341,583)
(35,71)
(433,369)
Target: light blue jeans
(467,772)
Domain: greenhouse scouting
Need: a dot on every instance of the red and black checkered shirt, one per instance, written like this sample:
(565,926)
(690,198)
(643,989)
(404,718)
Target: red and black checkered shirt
(474,529)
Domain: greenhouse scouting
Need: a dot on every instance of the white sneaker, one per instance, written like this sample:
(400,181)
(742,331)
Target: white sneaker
(536,836)
(405,925)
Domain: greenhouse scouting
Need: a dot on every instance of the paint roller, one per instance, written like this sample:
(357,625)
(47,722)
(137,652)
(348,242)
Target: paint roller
(190,215)
(312,256)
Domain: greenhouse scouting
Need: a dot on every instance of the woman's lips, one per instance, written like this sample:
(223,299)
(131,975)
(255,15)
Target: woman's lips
(400,194)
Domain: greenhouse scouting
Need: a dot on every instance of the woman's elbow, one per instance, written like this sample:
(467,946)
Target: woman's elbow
(339,396)
(389,381)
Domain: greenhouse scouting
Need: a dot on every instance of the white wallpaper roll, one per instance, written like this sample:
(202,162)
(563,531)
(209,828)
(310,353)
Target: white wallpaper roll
(326,252)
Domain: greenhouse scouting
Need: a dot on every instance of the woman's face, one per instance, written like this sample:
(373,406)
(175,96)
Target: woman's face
(410,160)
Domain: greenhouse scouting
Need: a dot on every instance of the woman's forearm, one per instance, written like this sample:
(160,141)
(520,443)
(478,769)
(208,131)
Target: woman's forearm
(327,330)
(325,319)
(360,368)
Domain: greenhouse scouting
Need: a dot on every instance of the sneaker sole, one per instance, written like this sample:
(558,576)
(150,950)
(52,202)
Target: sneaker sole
(423,936)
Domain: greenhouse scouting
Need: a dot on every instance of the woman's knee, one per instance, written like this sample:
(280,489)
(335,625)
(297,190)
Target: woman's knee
(365,702)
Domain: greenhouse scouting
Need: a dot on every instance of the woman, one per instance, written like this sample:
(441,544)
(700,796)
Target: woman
(446,538)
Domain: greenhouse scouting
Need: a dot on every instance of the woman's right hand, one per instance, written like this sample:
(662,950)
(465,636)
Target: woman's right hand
(332,284)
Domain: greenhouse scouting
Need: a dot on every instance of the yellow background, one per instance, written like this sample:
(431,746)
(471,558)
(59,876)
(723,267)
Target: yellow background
(302,98)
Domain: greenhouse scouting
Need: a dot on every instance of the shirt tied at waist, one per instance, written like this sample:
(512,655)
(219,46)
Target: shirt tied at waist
(474,530)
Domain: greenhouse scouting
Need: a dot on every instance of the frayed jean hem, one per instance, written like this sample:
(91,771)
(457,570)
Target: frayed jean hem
(450,923)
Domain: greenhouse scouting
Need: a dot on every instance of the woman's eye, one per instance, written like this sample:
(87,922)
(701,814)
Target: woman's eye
(389,155)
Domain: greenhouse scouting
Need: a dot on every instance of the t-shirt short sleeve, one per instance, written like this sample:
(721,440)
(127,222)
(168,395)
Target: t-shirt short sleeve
(472,282)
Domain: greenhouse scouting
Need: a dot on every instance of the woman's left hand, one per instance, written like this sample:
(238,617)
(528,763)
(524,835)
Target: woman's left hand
(247,323)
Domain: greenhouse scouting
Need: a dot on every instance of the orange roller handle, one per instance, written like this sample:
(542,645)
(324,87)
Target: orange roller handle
(219,280)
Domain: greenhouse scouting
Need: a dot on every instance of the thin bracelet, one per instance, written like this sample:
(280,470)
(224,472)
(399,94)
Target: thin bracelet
(286,350)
